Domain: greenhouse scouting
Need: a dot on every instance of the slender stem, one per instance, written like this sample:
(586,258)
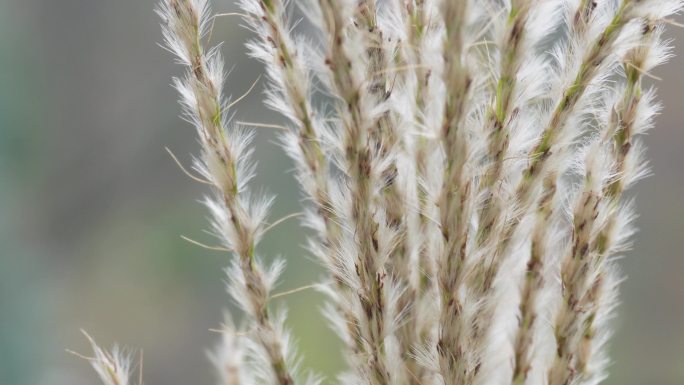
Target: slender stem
(360,163)
(584,270)
(452,345)
(185,20)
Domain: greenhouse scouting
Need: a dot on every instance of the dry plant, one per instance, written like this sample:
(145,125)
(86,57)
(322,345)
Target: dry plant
(463,164)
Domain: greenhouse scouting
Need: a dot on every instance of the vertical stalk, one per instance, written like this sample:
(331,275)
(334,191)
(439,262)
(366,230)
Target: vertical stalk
(455,360)
(360,162)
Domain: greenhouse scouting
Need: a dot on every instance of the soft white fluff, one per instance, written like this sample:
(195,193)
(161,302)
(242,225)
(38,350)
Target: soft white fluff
(463,166)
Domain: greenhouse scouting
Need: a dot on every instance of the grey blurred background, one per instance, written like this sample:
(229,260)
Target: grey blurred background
(92,208)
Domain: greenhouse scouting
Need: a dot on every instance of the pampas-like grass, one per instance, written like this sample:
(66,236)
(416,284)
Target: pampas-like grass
(464,182)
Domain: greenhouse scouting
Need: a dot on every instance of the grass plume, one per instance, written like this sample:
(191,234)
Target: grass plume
(464,178)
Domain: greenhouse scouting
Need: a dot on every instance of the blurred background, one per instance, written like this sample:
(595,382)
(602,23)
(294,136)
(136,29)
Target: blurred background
(92,207)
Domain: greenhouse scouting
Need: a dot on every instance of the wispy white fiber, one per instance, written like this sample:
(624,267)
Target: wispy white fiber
(463,167)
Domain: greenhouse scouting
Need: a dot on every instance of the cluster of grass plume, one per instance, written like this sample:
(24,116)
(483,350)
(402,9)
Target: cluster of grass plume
(463,165)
